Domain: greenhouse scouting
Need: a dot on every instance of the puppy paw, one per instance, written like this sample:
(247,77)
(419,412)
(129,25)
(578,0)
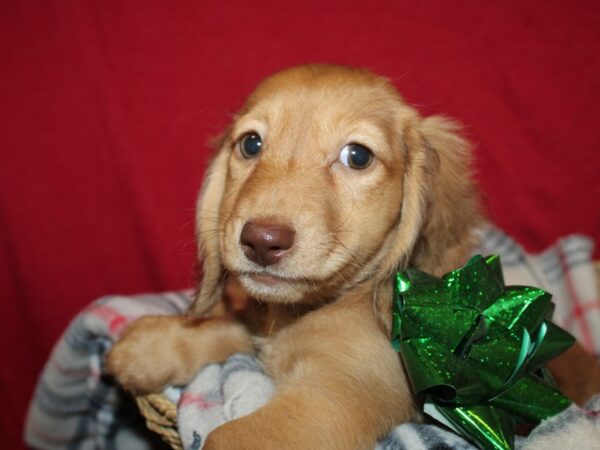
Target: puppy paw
(229,436)
(255,432)
(143,360)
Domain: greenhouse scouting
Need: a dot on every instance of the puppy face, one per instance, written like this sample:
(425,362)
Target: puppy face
(317,186)
(339,199)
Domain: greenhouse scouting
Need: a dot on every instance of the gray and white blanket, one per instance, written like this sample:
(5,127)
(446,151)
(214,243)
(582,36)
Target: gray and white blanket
(77,406)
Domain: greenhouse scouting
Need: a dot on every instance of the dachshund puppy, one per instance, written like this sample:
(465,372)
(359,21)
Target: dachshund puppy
(325,184)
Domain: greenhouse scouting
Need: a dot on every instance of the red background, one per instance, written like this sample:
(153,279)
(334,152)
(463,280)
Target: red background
(106,109)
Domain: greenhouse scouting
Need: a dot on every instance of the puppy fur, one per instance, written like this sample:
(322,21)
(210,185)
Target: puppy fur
(319,317)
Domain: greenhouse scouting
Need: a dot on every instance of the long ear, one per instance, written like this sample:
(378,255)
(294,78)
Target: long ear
(440,207)
(210,289)
(452,209)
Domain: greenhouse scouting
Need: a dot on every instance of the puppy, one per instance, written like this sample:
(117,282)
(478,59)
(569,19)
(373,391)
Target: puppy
(325,184)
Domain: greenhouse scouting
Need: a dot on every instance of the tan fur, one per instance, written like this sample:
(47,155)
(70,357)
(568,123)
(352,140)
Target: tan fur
(322,323)
(191,343)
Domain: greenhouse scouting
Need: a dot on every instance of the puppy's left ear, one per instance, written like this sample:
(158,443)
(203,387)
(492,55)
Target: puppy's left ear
(440,206)
(452,208)
(210,290)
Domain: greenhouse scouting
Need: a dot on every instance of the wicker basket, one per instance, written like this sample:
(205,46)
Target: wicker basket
(161,414)
(161,417)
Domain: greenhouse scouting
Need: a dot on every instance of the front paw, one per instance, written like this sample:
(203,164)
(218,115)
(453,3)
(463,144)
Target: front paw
(143,361)
(251,432)
(231,436)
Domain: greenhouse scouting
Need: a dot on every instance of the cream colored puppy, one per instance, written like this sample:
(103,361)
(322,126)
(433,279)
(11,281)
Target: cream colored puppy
(325,184)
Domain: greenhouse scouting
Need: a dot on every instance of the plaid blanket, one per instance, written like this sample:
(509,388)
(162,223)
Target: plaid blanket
(76,406)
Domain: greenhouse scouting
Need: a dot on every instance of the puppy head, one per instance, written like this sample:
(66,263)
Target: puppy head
(326,179)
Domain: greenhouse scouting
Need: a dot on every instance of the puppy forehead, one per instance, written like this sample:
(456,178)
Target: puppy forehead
(322,110)
(322,79)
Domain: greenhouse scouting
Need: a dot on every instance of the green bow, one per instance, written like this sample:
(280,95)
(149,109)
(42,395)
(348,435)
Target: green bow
(476,349)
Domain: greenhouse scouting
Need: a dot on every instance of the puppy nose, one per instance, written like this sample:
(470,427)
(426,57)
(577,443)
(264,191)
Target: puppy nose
(266,243)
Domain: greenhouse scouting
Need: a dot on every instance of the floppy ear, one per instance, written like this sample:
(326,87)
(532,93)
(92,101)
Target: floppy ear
(451,201)
(440,206)
(210,289)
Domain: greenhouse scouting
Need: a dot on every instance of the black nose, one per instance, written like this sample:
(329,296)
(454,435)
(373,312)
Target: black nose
(266,243)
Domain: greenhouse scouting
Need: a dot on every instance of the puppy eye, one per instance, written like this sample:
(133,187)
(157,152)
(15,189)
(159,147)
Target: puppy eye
(356,156)
(250,145)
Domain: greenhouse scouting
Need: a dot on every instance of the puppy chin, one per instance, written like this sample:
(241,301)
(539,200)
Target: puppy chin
(271,289)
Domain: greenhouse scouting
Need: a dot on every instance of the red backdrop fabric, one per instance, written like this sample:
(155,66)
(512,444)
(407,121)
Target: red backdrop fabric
(106,109)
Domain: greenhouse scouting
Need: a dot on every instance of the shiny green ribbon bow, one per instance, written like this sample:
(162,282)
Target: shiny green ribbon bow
(475,349)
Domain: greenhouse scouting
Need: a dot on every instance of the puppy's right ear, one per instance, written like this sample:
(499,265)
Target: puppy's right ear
(208,223)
